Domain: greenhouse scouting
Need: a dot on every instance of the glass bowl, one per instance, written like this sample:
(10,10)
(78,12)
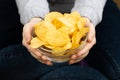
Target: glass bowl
(66,55)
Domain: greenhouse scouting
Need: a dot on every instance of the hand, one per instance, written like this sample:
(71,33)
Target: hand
(27,36)
(89,44)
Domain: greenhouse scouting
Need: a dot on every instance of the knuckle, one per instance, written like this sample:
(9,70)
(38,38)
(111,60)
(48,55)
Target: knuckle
(39,55)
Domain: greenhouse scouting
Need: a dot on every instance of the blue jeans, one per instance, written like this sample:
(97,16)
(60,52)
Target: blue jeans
(16,63)
(105,55)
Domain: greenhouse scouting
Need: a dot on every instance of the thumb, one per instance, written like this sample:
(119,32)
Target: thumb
(91,33)
(27,31)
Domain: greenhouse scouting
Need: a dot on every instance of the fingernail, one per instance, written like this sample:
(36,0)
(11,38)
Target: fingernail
(74,57)
(71,62)
(49,63)
(44,58)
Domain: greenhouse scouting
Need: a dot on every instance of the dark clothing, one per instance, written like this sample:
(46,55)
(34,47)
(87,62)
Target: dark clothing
(10,27)
(17,64)
(105,55)
(61,6)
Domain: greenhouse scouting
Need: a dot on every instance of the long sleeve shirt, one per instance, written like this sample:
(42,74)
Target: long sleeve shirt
(92,9)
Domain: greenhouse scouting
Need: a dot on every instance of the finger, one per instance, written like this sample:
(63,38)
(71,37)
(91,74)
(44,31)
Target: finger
(74,56)
(78,59)
(35,56)
(91,33)
(44,58)
(27,32)
(35,51)
(85,49)
(40,59)
(74,61)
(88,46)
(49,63)
(25,43)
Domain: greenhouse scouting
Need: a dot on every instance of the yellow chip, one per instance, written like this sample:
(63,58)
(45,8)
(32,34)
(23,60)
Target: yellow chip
(36,43)
(65,29)
(57,38)
(57,23)
(43,27)
(77,36)
(75,15)
(49,46)
(81,23)
(66,23)
(52,15)
(67,46)
(70,18)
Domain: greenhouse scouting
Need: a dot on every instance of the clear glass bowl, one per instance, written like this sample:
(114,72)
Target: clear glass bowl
(66,54)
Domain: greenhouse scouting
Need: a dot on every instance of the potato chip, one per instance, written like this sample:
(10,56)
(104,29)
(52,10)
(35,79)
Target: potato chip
(65,29)
(67,24)
(43,27)
(75,39)
(75,15)
(77,36)
(57,38)
(57,23)
(52,15)
(60,51)
(81,23)
(36,42)
(70,18)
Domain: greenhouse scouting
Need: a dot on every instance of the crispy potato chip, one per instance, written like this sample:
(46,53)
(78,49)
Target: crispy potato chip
(43,27)
(67,46)
(70,18)
(57,38)
(52,15)
(36,42)
(77,36)
(60,51)
(65,29)
(81,23)
(76,15)
(66,23)
(57,23)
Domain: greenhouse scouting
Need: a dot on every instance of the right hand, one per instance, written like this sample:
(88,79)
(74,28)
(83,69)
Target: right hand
(27,36)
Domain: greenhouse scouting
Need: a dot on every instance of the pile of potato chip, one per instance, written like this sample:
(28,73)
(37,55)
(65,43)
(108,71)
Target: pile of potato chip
(60,32)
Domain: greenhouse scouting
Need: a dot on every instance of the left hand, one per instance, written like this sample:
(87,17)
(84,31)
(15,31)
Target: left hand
(27,36)
(91,41)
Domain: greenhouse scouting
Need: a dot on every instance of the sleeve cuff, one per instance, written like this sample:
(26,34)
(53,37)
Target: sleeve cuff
(32,10)
(88,12)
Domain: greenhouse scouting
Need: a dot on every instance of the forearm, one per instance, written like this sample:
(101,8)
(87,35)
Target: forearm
(91,9)
(31,8)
